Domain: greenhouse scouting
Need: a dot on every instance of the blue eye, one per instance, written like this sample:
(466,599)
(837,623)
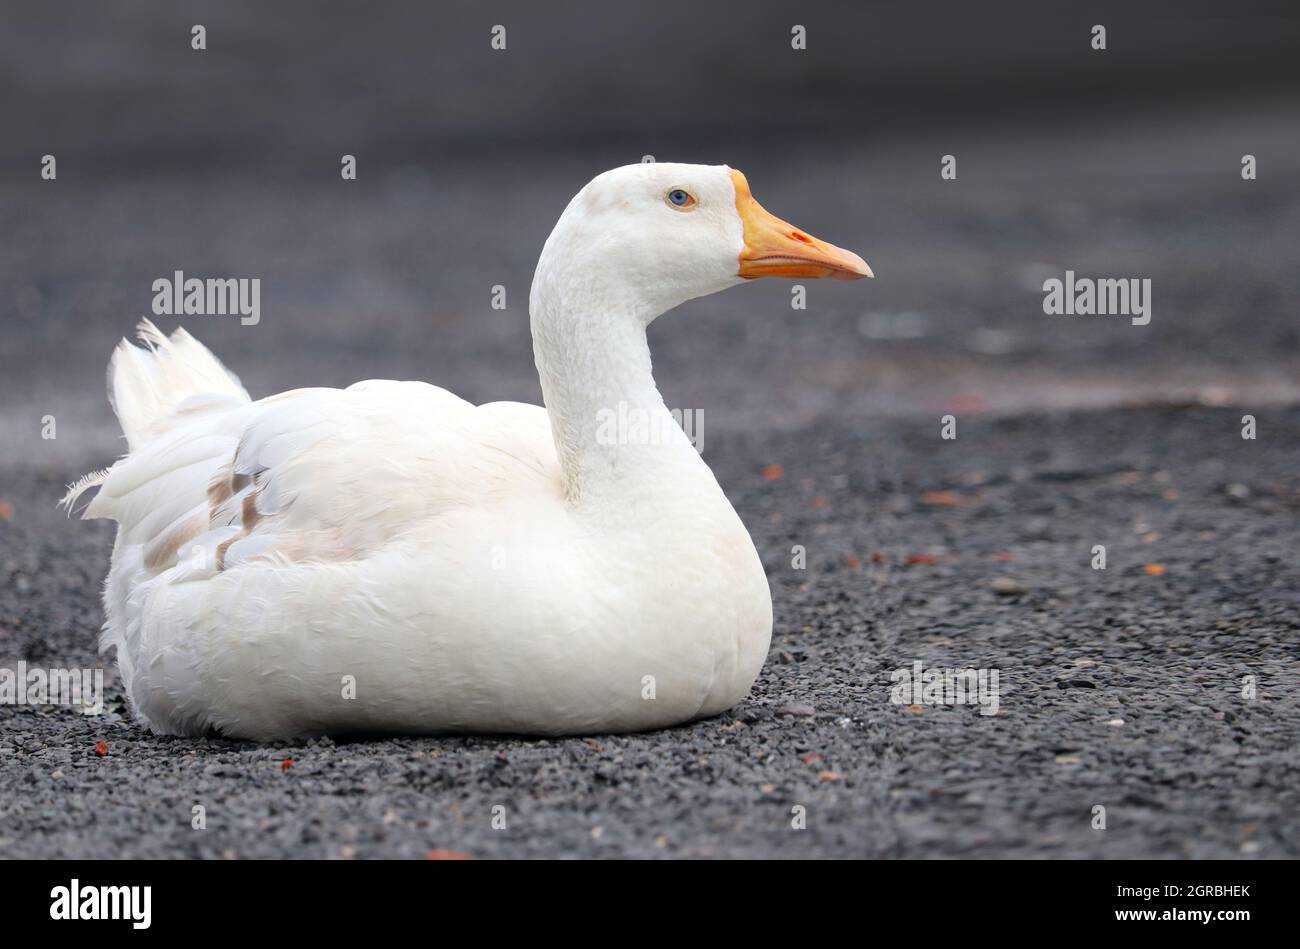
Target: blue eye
(680,199)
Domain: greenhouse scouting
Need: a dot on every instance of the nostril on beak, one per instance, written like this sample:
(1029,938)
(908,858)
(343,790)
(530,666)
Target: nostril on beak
(802,238)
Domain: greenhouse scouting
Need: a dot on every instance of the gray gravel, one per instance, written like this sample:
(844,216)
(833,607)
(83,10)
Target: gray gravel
(1193,770)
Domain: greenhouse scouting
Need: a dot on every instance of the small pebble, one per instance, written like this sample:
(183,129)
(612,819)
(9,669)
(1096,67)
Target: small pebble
(1008,587)
(798,710)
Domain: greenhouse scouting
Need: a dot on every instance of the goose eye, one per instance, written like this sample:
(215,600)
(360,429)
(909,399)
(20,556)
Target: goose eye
(680,199)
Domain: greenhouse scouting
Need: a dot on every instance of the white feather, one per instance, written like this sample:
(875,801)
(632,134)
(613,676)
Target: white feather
(490,568)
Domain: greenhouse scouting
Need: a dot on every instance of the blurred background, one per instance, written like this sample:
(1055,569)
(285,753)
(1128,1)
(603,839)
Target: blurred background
(225,162)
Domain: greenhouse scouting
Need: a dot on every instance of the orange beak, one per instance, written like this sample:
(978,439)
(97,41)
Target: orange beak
(774,248)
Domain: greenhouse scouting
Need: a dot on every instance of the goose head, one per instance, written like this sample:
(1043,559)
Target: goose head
(648,237)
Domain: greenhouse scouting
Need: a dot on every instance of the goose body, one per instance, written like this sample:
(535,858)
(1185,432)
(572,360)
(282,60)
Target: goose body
(391,558)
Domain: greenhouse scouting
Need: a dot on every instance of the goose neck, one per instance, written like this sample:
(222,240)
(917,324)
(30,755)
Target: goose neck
(616,440)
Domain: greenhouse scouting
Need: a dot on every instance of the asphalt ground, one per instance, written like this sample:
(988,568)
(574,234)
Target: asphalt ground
(1120,687)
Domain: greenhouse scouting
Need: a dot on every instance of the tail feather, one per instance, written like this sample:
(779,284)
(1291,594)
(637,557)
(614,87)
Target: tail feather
(81,486)
(147,385)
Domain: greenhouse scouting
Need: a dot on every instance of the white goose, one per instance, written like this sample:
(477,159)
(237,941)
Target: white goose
(390,558)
